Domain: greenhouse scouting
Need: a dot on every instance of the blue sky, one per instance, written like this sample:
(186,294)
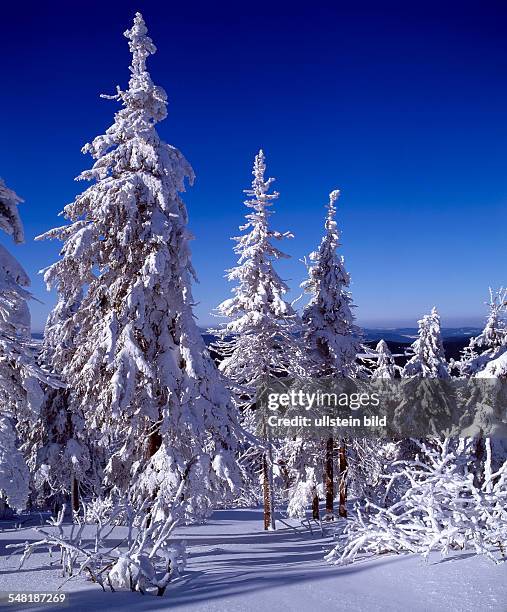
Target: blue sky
(400,105)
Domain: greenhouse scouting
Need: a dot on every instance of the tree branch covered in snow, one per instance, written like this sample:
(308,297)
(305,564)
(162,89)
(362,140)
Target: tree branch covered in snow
(442,509)
(146,560)
(20,377)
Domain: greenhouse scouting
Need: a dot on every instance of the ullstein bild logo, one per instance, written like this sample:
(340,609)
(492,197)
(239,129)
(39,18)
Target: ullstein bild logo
(416,407)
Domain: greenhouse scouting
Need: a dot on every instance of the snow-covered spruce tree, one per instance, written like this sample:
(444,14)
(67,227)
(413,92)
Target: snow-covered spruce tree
(137,367)
(331,338)
(331,341)
(385,366)
(491,343)
(428,356)
(20,377)
(425,407)
(484,362)
(258,342)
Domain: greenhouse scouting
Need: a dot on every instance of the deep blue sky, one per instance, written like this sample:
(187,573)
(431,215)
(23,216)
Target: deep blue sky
(400,105)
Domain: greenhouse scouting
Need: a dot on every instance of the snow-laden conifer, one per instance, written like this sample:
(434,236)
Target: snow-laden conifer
(331,338)
(385,366)
(331,342)
(20,391)
(491,343)
(137,367)
(428,356)
(259,340)
(484,362)
(425,403)
(259,337)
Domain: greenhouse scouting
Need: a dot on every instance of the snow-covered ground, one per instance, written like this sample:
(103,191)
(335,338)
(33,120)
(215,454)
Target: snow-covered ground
(234,566)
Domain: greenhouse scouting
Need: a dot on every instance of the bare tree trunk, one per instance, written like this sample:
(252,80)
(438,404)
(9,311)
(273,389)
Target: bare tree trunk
(479,452)
(74,494)
(329,478)
(267,483)
(4,509)
(315,507)
(154,442)
(342,459)
(271,489)
(267,493)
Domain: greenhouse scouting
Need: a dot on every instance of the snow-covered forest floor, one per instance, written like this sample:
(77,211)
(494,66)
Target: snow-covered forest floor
(234,566)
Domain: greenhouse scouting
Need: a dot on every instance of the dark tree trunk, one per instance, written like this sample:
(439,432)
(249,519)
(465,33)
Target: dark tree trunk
(315,507)
(266,481)
(329,478)
(480,450)
(154,442)
(75,495)
(342,459)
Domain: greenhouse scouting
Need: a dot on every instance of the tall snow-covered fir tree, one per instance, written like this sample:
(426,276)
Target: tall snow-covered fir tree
(259,336)
(136,364)
(331,341)
(258,341)
(20,377)
(331,338)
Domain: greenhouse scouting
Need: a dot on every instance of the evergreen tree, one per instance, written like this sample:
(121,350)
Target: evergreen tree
(20,377)
(332,342)
(386,368)
(425,403)
(428,356)
(258,341)
(491,343)
(484,361)
(331,338)
(136,365)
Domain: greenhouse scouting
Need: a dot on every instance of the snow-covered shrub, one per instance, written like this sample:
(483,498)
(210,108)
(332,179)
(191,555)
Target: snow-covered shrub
(100,510)
(303,492)
(442,509)
(146,560)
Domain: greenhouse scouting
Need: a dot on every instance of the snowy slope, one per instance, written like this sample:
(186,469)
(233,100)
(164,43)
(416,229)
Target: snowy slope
(236,567)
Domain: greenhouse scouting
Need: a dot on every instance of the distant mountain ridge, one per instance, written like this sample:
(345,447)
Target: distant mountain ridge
(398,339)
(409,334)
(405,335)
